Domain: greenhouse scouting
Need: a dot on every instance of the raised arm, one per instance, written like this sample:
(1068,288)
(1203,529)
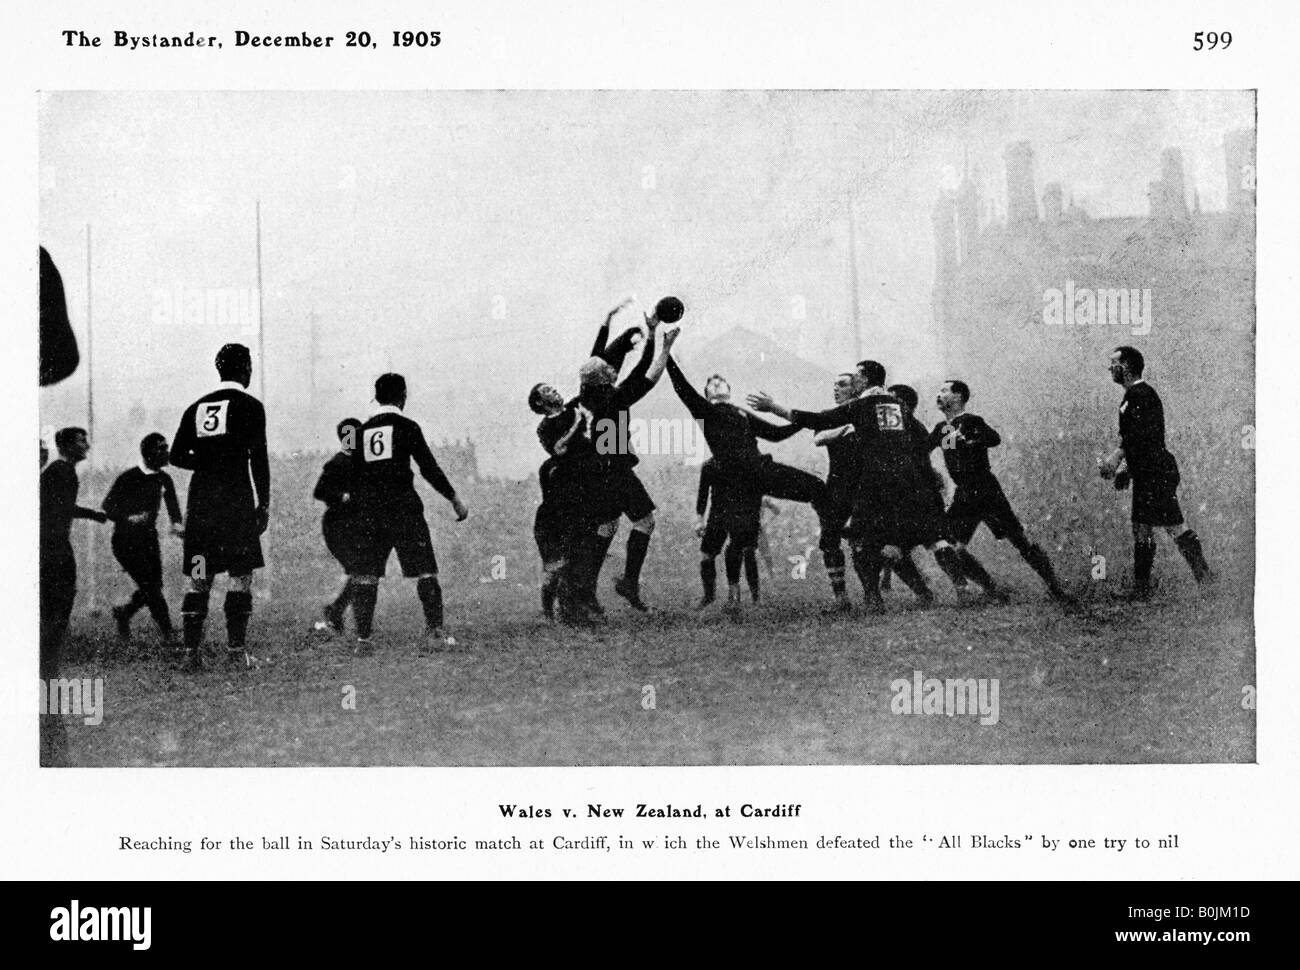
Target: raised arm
(602,335)
(689,396)
(817,420)
(771,432)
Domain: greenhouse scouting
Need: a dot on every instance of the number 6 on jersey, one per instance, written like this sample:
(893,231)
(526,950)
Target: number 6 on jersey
(378,443)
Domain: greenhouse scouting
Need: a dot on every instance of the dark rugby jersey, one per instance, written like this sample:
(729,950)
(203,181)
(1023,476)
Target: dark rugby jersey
(886,451)
(564,433)
(1142,429)
(605,402)
(59,485)
(731,432)
(844,459)
(136,491)
(337,479)
(387,444)
(967,460)
(222,440)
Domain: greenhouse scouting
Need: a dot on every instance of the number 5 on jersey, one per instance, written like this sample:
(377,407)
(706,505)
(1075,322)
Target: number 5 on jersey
(378,443)
(210,419)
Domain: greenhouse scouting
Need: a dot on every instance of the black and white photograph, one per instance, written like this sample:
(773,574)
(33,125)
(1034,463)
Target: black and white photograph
(680,427)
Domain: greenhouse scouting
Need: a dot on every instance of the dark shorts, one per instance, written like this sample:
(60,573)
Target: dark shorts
(990,506)
(902,514)
(342,540)
(221,541)
(401,527)
(834,514)
(734,515)
(1155,493)
(138,553)
(553,532)
(621,493)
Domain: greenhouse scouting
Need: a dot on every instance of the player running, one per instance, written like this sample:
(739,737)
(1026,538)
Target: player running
(1143,461)
(337,488)
(390,515)
(132,506)
(965,439)
(222,440)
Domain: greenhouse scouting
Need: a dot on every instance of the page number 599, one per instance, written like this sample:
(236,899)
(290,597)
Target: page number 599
(1208,41)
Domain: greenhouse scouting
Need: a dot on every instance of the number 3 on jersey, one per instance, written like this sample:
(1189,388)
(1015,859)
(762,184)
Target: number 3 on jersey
(378,443)
(210,419)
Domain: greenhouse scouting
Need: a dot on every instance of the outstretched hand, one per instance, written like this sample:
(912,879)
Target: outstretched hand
(761,401)
(670,335)
(462,511)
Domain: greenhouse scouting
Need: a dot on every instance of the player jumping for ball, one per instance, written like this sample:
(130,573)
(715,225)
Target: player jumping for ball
(1143,461)
(742,474)
(222,440)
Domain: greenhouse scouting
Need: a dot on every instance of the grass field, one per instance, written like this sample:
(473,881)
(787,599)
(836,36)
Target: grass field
(784,685)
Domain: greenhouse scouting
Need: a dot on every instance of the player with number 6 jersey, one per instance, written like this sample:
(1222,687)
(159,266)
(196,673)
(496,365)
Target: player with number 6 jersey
(390,515)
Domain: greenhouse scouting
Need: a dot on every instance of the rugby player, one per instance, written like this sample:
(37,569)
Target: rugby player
(132,506)
(617,490)
(390,515)
(732,517)
(965,440)
(222,440)
(889,503)
(843,458)
(337,488)
(1143,461)
(58,569)
(743,475)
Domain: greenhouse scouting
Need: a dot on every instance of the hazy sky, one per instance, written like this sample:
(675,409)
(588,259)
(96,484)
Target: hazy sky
(473,240)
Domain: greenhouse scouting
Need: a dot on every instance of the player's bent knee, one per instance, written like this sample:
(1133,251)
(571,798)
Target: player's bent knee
(606,530)
(646,524)
(241,584)
(199,585)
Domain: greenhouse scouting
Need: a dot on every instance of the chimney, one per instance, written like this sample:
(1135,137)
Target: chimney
(1239,169)
(1052,204)
(1022,202)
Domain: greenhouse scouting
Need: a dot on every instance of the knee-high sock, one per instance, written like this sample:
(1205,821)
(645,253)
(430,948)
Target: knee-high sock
(153,598)
(238,606)
(950,562)
(1144,558)
(430,592)
(551,575)
(973,569)
(834,560)
(731,561)
(345,596)
(1037,559)
(638,544)
(194,614)
(751,571)
(364,598)
(1189,544)
(591,560)
(866,563)
(709,577)
(138,599)
(906,570)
